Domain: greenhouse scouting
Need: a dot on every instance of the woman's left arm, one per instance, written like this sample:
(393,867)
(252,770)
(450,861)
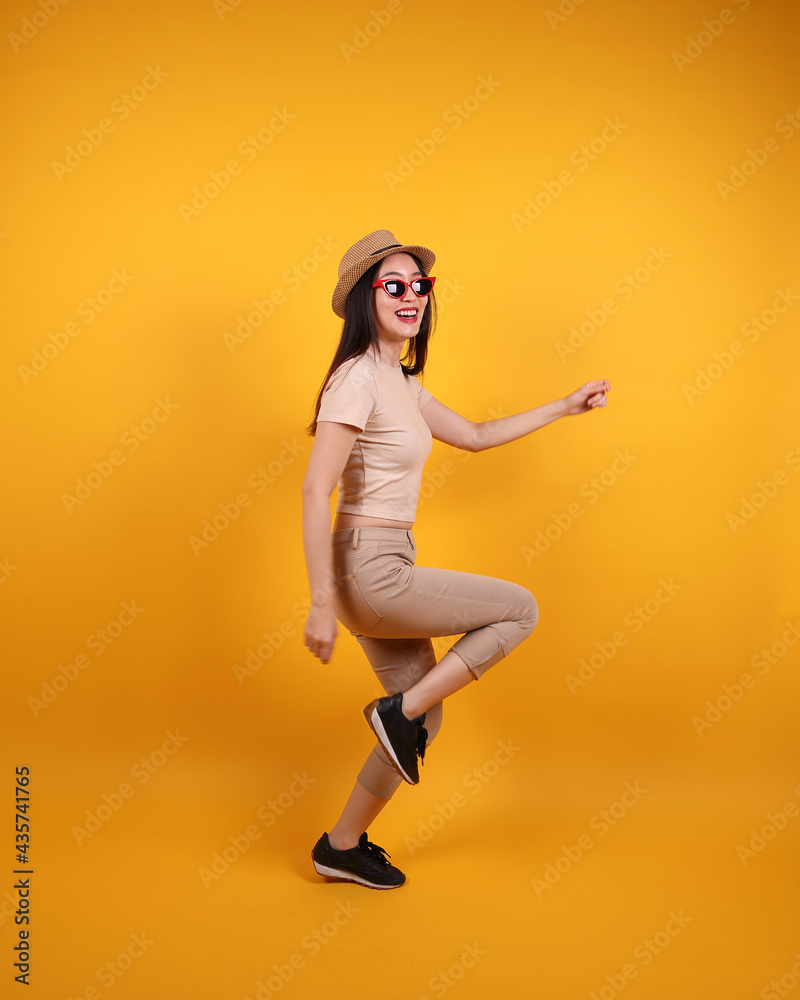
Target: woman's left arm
(448,426)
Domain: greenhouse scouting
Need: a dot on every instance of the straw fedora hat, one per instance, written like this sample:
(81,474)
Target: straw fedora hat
(368,251)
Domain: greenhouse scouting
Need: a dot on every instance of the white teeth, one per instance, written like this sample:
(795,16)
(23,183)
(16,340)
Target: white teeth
(406,312)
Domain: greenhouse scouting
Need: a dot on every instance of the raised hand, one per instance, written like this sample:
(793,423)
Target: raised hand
(588,397)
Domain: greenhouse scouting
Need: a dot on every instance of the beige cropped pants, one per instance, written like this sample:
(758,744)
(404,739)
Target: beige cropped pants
(394,607)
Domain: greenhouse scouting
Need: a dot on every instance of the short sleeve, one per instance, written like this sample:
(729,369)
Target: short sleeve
(350,397)
(422,394)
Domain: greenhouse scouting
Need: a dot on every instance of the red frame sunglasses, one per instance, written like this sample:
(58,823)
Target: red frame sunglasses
(401,286)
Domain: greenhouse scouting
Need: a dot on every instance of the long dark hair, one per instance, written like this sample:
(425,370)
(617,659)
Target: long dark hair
(359,333)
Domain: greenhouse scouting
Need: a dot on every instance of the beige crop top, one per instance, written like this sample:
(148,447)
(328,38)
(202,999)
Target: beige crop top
(384,470)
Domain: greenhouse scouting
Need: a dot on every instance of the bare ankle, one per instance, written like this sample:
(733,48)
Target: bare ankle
(341,842)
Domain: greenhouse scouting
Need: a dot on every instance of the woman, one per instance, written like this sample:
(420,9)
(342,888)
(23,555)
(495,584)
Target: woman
(373,429)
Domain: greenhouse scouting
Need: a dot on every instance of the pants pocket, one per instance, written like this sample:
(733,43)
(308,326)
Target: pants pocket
(353,609)
(398,564)
(393,568)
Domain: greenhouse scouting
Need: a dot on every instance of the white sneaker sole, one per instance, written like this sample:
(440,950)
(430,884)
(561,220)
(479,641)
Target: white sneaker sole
(350,877)
(376,725)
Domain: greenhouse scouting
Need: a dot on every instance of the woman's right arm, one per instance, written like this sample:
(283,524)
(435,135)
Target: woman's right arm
(332,445)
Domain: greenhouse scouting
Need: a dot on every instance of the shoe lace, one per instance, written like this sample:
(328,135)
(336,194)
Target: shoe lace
(376,853)
(421,740)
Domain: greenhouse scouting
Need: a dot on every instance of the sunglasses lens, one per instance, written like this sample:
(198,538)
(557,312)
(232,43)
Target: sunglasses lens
(395,288)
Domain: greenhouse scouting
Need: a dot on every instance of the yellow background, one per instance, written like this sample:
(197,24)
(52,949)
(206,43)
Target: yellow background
(348,99)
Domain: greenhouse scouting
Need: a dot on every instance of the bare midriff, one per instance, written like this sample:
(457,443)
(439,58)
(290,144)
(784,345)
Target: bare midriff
(345,520)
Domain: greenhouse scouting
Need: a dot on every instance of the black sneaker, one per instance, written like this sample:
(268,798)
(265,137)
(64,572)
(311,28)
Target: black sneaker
(403,739)
(365,864)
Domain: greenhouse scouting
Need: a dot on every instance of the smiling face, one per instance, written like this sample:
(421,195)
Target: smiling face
(398,319)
